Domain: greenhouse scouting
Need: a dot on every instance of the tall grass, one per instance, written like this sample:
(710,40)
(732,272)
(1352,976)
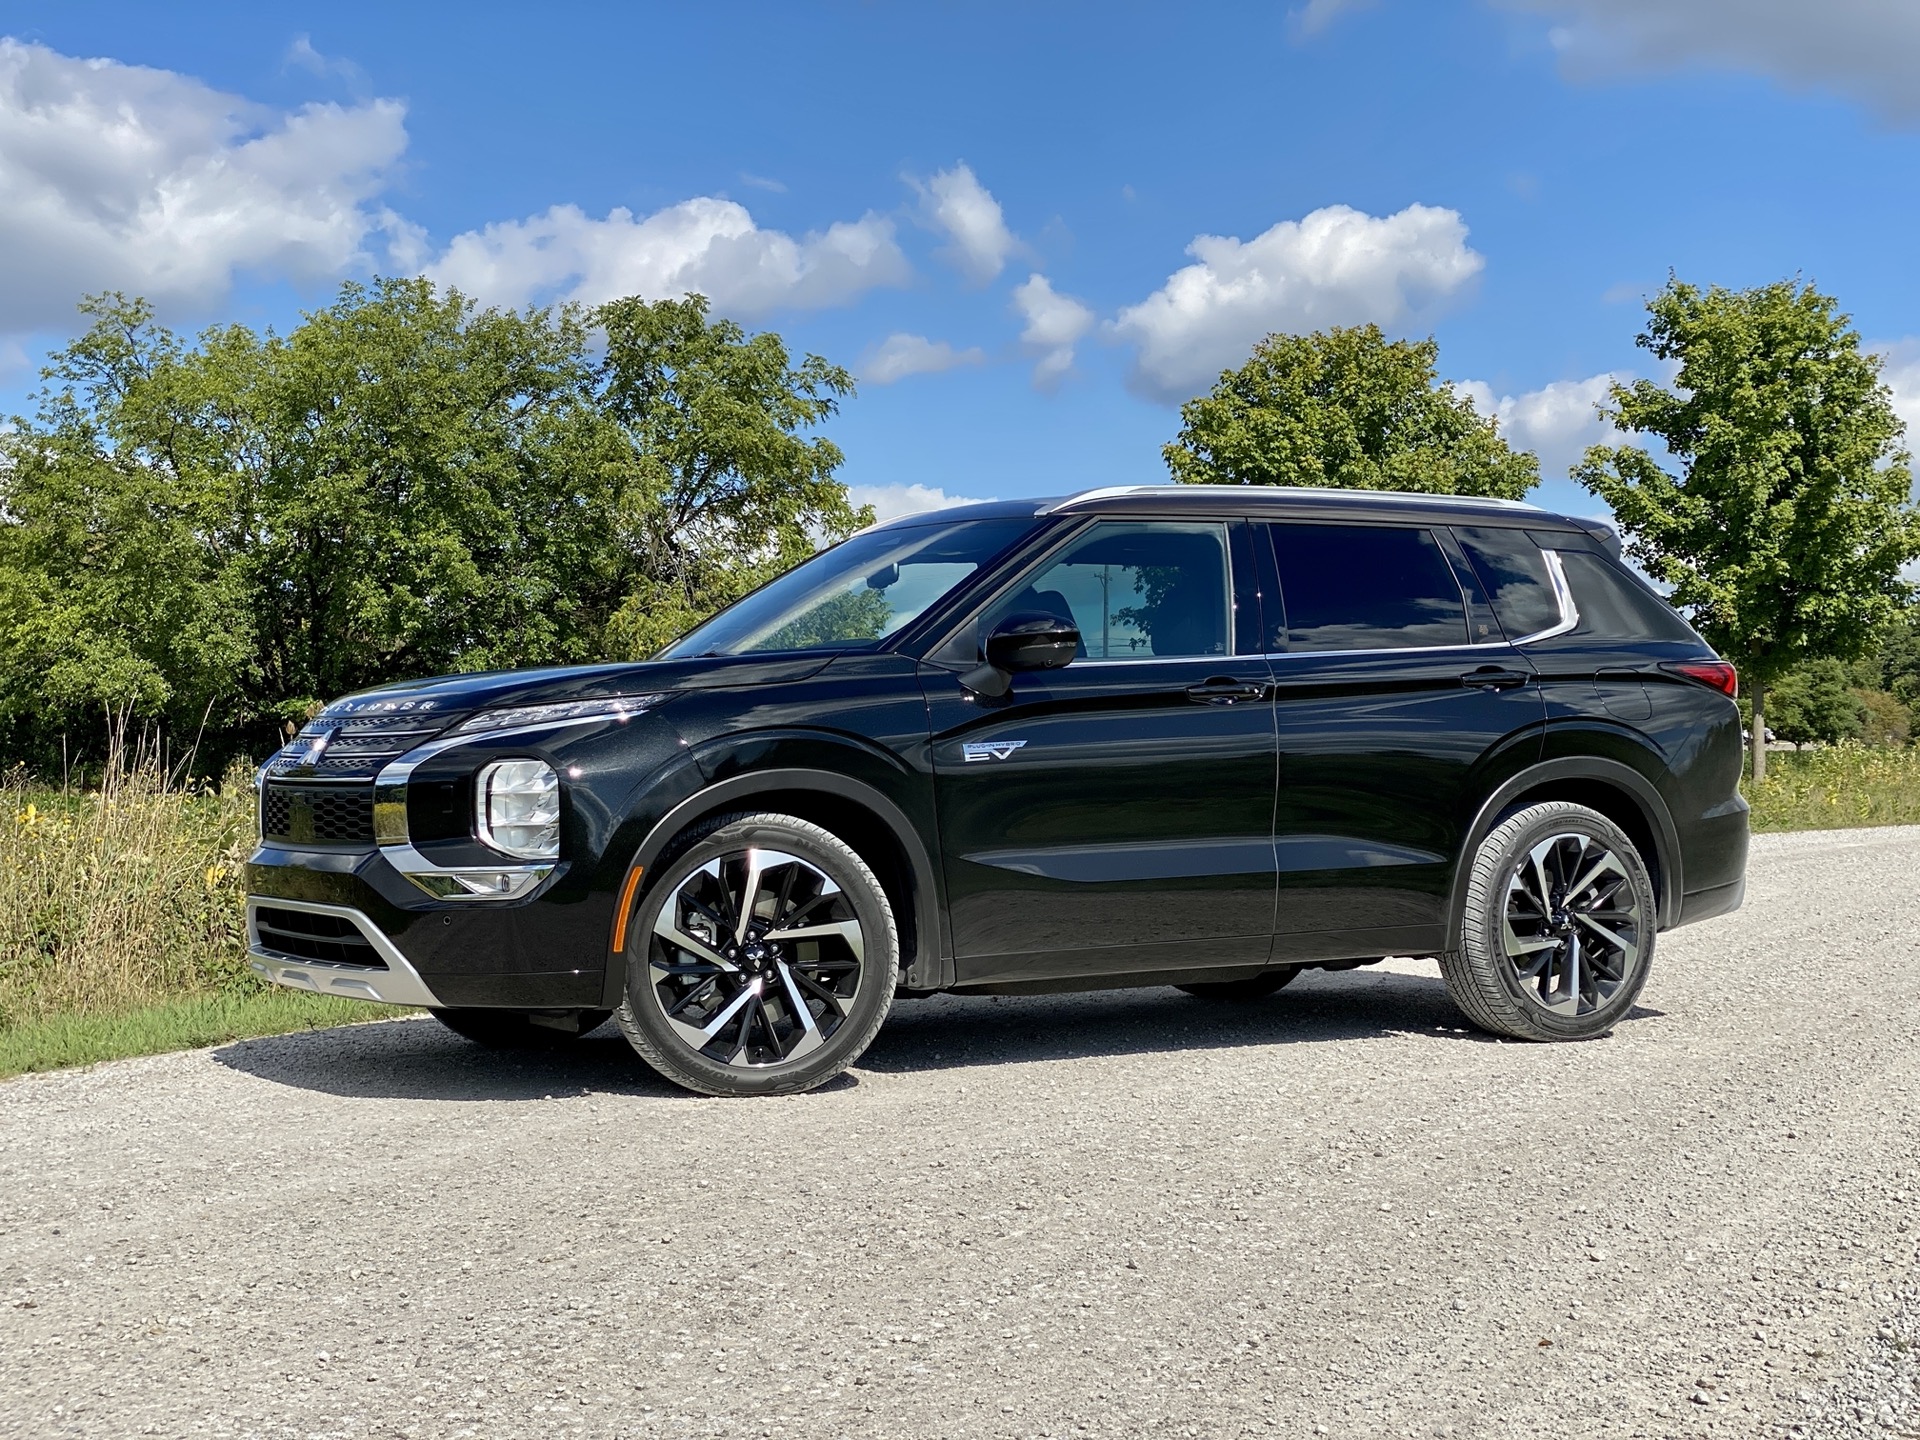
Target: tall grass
(120,896)
(1836,787)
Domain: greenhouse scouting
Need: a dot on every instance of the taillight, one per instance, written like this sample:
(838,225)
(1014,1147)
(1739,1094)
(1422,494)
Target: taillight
(1717,674)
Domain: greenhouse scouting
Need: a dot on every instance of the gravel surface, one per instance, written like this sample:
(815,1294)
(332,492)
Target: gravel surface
(1331,1212)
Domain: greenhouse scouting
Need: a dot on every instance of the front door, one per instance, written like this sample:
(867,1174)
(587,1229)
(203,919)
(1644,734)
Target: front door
(1115,816)
(1396,696)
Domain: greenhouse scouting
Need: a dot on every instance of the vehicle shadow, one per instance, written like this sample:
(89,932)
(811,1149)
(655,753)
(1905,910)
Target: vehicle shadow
(420,1059)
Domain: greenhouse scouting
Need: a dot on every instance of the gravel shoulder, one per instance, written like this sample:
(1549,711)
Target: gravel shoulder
(1335,1211)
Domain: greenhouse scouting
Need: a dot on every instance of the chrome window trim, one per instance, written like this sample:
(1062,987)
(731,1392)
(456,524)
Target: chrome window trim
(398,984)
(1569,611)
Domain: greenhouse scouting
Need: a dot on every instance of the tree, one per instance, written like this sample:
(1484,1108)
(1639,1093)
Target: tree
(1814,703)
(233,531)
(727,491)
(1345,407)
(1785,528)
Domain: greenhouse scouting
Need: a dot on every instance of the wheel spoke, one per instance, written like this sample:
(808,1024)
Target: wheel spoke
(666,928)
(1628,948)
(749,892)
(848,930)
(1594,872)
(809,1037)
(814,987)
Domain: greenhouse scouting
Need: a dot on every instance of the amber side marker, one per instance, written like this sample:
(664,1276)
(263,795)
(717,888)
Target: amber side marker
(625,912)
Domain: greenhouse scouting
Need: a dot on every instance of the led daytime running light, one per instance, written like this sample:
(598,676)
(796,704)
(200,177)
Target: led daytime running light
(520,717)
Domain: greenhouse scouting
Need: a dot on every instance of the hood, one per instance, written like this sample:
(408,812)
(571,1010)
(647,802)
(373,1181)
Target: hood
(490,689)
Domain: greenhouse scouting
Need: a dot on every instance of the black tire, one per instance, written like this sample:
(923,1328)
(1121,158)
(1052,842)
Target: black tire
(1254,987)
(1566,966)
(514,1029)
(840,967)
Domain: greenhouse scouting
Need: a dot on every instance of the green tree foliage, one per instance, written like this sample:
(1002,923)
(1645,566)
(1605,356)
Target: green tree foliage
(1348,408)
(1816,703)
(1785,526)
(232,531)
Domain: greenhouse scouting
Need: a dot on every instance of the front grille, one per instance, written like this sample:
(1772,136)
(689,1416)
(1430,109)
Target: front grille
(330,939)
(323,814)
(359,746)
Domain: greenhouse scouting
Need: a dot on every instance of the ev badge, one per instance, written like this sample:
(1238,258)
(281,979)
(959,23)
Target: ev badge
(990,749)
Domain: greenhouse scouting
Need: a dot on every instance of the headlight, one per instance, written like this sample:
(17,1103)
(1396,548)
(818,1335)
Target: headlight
(517,808)
(618,707)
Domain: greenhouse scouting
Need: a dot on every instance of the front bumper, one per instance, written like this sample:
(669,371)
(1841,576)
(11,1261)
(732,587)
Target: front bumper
(273,952)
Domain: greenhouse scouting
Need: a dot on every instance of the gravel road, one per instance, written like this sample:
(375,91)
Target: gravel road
(1331,1212)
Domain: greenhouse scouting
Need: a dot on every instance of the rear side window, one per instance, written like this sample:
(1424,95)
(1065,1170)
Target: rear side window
(1366,587)
(1614,605)
(1515,575)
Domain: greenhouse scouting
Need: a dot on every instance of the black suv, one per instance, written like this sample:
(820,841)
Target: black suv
(1188,736)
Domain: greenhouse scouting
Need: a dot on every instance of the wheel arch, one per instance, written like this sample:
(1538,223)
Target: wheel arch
(1616,790)
(873,825)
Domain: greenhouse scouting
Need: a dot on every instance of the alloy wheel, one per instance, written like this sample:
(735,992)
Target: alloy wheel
(1572,924)
(756,958)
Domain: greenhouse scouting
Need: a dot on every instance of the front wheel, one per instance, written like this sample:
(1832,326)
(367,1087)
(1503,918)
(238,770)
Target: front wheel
(1557,930)
(763,959)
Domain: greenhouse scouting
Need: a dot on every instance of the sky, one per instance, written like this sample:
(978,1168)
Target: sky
(1031,230)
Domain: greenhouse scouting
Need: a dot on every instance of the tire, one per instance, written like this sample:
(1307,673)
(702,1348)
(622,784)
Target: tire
(1254,987)
(515,1029)
(781,1003)
(1557,927)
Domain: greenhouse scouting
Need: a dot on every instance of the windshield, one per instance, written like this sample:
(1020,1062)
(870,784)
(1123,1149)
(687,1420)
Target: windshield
(855,595)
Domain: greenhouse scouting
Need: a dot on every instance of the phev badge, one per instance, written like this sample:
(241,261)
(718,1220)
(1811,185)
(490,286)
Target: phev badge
(989,749)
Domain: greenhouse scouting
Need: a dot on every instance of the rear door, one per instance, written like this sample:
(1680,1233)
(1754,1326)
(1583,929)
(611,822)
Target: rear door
(1114,815)
(1397,702)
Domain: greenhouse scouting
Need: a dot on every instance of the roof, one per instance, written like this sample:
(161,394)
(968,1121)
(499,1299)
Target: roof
(1298,501)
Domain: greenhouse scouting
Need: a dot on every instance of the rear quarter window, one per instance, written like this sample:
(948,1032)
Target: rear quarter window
(1615,604)
(1514,573)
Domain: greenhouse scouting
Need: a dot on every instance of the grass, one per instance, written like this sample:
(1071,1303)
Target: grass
(1837,787)
(82,1037)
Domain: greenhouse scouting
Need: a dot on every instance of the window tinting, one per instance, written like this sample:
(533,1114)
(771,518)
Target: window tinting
(1616,605)
(1366,587)
(1134,590)
(1515,574)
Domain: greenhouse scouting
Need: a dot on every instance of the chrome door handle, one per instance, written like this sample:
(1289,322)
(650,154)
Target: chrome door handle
(1222,691)
(1493,677)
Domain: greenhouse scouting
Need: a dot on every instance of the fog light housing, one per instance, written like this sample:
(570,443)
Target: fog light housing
(517,809)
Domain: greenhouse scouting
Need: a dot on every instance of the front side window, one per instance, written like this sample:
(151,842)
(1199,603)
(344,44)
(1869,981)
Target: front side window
(1366,587)
(1514,571)
(855,595)
(1135,590)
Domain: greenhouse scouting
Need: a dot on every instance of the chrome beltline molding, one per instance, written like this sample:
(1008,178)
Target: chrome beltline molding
(398,984)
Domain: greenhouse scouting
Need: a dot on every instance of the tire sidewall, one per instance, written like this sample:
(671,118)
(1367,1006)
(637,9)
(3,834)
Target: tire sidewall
(1502,861)
(648,1029)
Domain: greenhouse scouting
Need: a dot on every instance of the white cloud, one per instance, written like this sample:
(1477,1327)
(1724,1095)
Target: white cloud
(302,54)
(704,244)
(1556,422)
(1868,50)
(121,177)
(901,355)
(762,182)
(891,501)
(1901,374)
(954,202)
(1055,323)
(1317,15)
(1337,266)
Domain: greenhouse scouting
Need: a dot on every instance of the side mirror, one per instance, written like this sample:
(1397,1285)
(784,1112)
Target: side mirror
(1027,641)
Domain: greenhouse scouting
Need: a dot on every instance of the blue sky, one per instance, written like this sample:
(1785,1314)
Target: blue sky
(884,182)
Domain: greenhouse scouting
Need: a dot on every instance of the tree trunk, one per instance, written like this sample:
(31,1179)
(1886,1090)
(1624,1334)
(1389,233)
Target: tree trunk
(1759,731)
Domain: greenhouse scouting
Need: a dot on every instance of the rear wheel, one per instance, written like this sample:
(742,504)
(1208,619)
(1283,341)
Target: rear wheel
(763,959)
(1254,987)
(1557,930)
(517,1030)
